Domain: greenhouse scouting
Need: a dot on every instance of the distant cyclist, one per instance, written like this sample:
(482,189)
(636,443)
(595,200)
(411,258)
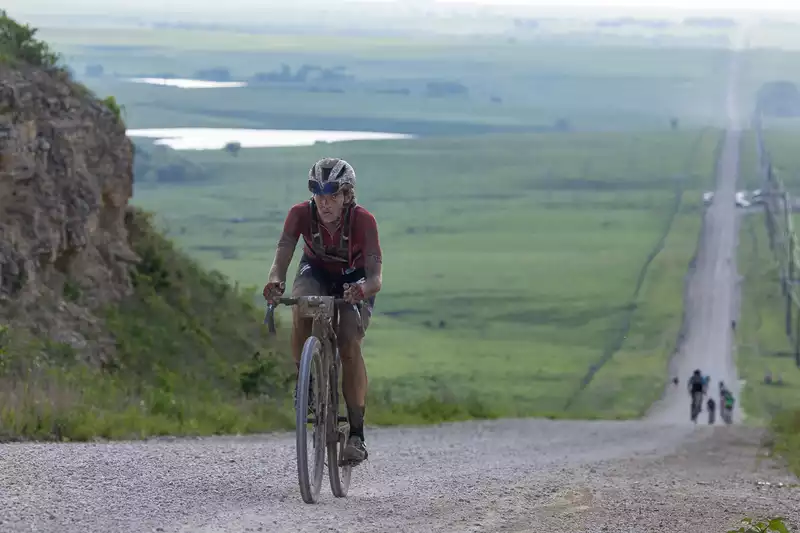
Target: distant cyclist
(726,411)
(697,388)
(711,405)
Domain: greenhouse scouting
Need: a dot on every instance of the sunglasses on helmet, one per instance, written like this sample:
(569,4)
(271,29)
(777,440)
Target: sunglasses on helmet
(329,187)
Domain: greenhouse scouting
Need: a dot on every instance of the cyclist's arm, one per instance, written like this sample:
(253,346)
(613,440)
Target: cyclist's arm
(285,249)
(373,259)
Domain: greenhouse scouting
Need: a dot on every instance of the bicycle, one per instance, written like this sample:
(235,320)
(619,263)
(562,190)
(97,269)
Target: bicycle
(727,415)
(697,405)
(320,359)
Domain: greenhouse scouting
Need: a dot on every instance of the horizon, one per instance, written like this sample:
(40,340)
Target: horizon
(588,8)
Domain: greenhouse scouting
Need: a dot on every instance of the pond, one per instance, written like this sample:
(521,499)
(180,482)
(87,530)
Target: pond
(182,83)
(218,138)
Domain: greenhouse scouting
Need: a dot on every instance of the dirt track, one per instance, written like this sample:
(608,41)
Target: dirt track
(663,474)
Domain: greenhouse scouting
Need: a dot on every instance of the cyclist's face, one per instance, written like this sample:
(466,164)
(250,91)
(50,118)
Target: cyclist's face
(329,206)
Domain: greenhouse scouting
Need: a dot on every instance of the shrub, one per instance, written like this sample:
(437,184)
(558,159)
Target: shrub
(18,43)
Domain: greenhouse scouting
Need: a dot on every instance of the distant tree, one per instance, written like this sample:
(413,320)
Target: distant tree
(213,74)
(233,148)
(445,88)
(18,43)
(710,22)
(305,70)
(562,124)
(94,71)
(673,123)
(779,99)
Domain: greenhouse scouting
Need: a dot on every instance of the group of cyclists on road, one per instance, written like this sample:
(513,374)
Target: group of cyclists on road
(698,389)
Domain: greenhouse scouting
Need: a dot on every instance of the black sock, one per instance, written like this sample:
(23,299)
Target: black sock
(355,416)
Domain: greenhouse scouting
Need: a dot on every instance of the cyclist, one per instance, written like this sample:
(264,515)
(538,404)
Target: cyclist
(341,257)
(711,405)
(727,405)
(696,386)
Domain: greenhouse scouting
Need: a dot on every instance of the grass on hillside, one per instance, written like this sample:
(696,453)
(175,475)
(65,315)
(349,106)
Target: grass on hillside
(511,261)
(192,358)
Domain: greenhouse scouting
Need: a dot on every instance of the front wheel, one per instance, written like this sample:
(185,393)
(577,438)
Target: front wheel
(309,473)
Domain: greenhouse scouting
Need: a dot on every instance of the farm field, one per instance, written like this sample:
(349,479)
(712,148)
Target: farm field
(507,276)
(427,86)
(537,230)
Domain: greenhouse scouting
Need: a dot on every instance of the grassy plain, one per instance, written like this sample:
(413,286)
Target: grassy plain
(511,262)
(534,273)
(526,272)
(509,85)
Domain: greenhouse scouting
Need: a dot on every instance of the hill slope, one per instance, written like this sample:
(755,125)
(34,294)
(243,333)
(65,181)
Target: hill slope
(105,328)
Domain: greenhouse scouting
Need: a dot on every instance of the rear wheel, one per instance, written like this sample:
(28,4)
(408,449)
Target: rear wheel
(310,427)
(697,398)
(339,475)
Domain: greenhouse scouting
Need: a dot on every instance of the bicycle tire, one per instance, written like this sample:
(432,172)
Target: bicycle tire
(339,476)
(697,400)
(310,485)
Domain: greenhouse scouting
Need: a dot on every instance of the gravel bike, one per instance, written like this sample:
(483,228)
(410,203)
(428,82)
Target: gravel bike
(317,403)
(697,405)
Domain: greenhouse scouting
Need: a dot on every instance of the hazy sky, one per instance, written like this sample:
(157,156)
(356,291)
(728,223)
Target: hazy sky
(206,5)
(688,5)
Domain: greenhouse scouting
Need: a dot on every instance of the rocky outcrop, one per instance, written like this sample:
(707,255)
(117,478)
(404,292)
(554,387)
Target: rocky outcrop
(66,175)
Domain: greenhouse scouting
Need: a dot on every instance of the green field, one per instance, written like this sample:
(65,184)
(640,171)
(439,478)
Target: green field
(763,345)
(383,83)
(536,233)
(507,276)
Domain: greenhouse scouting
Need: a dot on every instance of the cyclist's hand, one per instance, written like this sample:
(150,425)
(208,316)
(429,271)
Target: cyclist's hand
(273,290)
(353,292)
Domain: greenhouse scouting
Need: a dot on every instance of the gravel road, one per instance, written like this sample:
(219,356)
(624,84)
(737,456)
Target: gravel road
(513,475)
(661,474)
(711,295)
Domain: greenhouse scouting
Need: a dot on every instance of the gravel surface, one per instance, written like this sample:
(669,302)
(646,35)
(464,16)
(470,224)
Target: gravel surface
(511,475)
(661,474)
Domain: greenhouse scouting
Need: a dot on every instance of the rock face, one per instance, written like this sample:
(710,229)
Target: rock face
(66,175)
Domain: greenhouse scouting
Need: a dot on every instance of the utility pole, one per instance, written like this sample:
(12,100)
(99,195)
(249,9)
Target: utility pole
(789,264)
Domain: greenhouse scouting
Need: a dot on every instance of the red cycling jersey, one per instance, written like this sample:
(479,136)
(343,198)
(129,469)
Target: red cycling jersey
(363,238)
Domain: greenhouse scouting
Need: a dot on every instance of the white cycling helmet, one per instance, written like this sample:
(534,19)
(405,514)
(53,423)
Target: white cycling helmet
(330,174)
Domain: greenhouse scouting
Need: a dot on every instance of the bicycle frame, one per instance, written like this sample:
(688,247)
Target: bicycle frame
(323,310)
